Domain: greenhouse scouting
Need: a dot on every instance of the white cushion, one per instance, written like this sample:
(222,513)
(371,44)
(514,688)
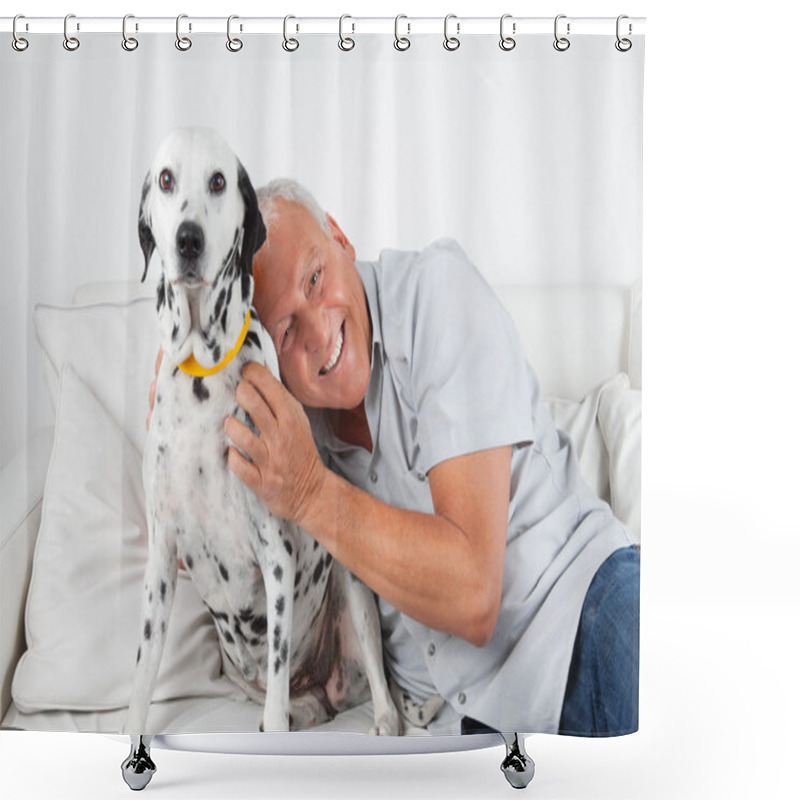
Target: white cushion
(620,417)
(82,616)
(112,347)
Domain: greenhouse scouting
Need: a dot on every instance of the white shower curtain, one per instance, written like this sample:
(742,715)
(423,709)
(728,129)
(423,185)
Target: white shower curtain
(530,159)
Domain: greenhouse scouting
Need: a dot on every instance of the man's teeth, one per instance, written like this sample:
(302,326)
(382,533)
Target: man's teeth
(336,353)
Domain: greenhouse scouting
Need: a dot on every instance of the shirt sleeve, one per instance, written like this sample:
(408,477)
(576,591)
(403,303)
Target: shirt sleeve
(471,386)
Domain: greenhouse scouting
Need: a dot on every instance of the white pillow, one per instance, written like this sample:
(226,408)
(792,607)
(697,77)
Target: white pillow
(82,615)
(580,422)
(112,347)
(620,416)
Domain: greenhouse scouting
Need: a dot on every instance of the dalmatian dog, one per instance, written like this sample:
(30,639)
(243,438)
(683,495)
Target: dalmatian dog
(297,631)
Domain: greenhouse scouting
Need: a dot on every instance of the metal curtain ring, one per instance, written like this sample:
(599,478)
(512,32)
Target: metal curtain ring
(623,45)
(345,42)
(233,44)
(507,42)
(181,42)
(129,43)
(18,42)
(401,42)
(561,43)
(70,42)
(451,42)
(290,45)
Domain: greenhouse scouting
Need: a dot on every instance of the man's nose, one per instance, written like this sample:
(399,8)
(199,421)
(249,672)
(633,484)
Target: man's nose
(315,330)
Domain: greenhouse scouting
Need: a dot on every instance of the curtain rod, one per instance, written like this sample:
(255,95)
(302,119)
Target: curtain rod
(348,25)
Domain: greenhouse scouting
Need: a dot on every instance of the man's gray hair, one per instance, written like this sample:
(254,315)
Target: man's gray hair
(290,190)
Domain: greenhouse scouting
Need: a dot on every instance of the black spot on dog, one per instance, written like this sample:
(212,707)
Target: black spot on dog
(200,471)
(318,571)
(160,294)
(228,637)
(174,332)
(224,572)
(316,544)
(163,626)
(246,614)
(224,321)
(175,371)
(147,630)
(288,545)
(253,340)
(219,305)
(189,561)
(259,624)
(278,573)
(162,448)
(200,390)
(245,284)
(223,615)
(284,651)
(217,353)
(163,590)
(298,575)
(170,295)
(276,637)
(139,655)
(280,605)
(277,665)
(328,559)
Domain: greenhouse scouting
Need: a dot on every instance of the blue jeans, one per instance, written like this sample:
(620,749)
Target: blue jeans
(602,695)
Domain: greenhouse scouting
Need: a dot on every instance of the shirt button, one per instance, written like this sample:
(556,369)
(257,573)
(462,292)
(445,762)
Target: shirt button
(373,476)
(421,477)
(462,698)
(432,650)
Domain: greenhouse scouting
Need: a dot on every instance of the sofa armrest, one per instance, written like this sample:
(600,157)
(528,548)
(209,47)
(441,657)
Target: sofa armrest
(21,491)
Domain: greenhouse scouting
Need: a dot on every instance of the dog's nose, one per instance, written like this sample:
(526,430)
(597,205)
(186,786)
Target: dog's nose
(190,240)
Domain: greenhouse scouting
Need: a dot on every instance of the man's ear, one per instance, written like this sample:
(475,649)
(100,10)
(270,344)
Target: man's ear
(337,234)
(146,240)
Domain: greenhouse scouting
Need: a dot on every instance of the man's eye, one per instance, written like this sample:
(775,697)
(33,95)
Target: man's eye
(314,279)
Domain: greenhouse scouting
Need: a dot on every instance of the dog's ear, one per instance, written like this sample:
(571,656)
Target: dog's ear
(255,232)
(146,240)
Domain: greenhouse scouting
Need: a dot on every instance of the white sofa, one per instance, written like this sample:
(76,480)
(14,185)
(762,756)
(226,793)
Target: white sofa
(584,342)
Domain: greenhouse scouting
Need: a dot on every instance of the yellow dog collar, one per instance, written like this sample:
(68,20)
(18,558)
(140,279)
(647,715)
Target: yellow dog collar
(191,367)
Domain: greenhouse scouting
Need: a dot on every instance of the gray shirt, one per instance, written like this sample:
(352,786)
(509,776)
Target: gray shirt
(448,378)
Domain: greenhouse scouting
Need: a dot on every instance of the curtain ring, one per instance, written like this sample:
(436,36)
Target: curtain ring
(451,42)
(623,45)
(233,44)
(70,42)
(18,42)
(346,43)
(129,43)
(507,42)
(182,42)
(561,43)
(289,45)
(401,42)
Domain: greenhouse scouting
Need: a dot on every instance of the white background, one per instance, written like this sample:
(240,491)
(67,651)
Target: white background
(721,604)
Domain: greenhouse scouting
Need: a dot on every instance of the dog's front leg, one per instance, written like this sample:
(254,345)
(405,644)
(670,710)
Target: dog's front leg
(157,597)
(364,615)
(276,555)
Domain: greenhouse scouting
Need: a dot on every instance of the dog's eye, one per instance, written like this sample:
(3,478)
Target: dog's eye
(166,181)
(217,183)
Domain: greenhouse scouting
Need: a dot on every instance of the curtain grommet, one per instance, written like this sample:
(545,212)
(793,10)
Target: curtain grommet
(233,44)
(129,43)
(401,43)
(451,43)
(290,44)
(561,43)
(623,44)
(183,43)
(346,43)
(71,43)
(19,43)
(507,43)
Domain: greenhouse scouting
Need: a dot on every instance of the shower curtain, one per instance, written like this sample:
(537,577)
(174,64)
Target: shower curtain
(523,161)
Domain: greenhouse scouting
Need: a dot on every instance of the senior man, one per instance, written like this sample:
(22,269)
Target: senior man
(410,439)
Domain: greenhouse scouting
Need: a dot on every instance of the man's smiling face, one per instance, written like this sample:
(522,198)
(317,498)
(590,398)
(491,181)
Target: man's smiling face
(311,300)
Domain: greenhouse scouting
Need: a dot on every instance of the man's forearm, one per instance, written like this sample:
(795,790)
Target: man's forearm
(423,564)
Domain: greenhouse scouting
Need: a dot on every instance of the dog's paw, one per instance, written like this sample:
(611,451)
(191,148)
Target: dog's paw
(388,722)
(306,711)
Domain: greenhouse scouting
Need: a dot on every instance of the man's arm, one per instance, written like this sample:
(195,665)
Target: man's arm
(443,569)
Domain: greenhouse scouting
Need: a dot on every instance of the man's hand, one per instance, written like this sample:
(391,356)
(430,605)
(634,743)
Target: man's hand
(279,463)
(159,358)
